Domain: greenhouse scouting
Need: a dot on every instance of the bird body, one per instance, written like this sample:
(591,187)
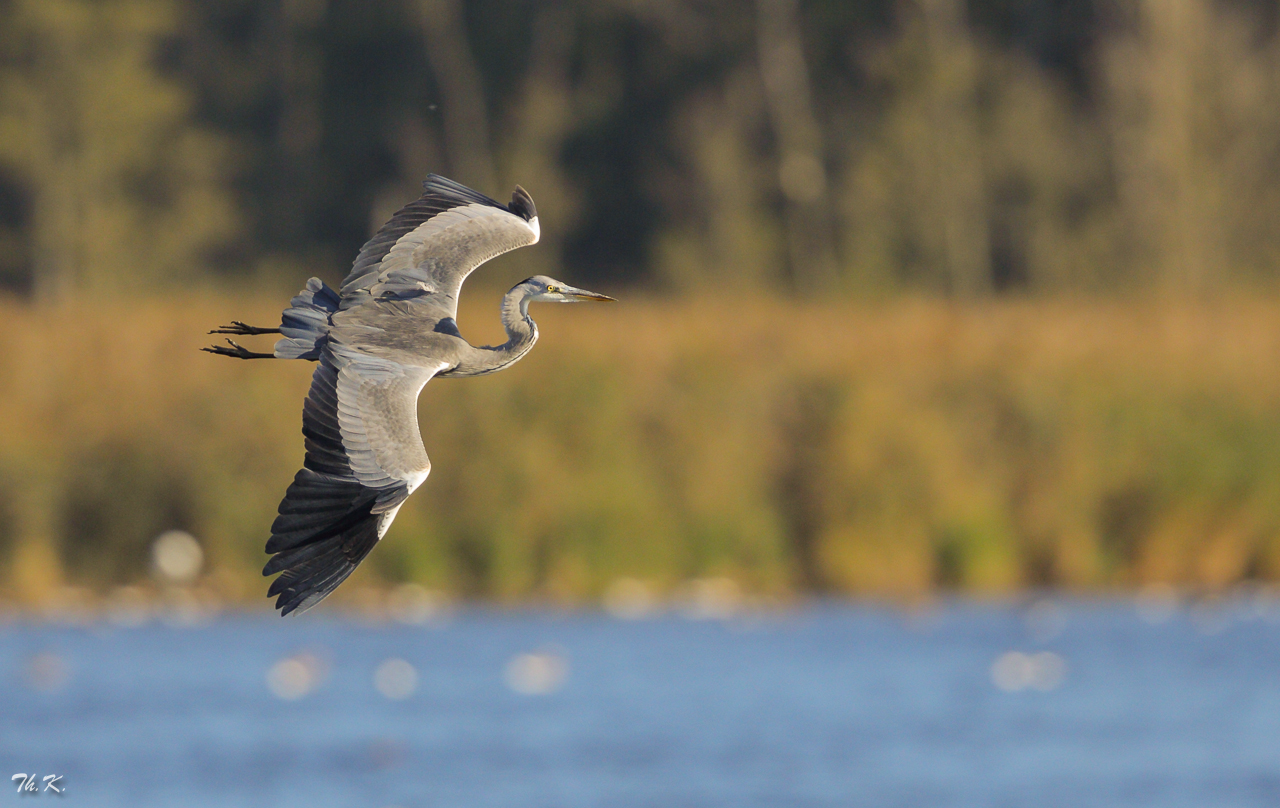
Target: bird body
(377,341)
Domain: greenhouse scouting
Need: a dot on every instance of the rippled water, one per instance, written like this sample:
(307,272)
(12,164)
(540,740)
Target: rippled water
(827,706)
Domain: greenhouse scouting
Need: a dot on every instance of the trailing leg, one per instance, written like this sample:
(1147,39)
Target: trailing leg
(237,351)
(241,329)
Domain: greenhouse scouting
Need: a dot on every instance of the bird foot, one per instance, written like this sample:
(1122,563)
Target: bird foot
(237,351)
(241,329)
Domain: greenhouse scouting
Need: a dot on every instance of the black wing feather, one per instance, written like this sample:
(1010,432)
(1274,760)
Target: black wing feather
(312,561)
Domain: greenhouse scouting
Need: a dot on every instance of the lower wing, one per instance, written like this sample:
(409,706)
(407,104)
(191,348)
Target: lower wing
(364,457)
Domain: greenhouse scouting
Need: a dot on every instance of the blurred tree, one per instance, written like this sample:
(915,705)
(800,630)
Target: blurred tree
(124,190)
(533,135)
(1192,98)
(923,209)
(802,171)
(464,114)
(979,174)
(293,70)
(726,231)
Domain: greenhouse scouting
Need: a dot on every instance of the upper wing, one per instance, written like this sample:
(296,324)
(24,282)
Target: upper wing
(431,245)
(364,457)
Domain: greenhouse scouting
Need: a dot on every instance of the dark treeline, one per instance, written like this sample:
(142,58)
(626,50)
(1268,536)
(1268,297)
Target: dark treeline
(868,147)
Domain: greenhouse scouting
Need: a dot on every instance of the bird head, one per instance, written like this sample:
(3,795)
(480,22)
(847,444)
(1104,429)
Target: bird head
(549,290)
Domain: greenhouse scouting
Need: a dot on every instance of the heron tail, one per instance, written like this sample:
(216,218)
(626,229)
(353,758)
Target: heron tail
(305,324)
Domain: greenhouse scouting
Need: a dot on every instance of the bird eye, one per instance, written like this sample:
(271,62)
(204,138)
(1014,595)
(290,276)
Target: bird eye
(553,288)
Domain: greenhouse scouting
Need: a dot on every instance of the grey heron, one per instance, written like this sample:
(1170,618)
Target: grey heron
(389,329)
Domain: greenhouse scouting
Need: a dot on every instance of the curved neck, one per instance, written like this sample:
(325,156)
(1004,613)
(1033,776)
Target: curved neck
(522,332)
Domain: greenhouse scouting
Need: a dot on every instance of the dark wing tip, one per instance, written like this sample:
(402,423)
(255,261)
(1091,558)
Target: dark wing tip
(325,529)
(447,191)
(522,205)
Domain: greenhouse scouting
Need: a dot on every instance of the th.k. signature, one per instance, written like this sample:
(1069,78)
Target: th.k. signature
(30,784)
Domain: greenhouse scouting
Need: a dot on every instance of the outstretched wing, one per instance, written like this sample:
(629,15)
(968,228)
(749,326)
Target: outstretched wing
(364,457)
(431,245)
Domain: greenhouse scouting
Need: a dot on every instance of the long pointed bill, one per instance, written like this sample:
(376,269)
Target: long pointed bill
(577,295)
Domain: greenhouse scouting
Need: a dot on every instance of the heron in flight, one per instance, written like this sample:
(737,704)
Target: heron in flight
(389,329)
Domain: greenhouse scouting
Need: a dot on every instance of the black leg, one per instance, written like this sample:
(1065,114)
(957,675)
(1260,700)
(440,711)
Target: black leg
(241,329)
(237,351)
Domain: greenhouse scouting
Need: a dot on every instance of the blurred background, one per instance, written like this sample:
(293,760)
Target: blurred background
(922,300)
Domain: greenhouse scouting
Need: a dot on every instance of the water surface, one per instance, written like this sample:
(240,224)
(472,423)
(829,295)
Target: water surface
(830,705)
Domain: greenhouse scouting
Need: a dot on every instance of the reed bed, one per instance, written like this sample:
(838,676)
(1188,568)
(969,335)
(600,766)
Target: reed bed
(885,449)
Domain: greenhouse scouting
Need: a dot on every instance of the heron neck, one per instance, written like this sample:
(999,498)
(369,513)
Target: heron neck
(522,331)
(521,334)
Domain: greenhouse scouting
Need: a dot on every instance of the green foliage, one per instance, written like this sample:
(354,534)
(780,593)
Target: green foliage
(125,190)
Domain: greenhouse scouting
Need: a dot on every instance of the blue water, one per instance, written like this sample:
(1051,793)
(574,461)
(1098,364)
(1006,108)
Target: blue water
(826,706)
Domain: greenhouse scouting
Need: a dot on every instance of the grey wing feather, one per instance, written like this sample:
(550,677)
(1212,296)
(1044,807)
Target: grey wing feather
(364,456)
(430,246)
